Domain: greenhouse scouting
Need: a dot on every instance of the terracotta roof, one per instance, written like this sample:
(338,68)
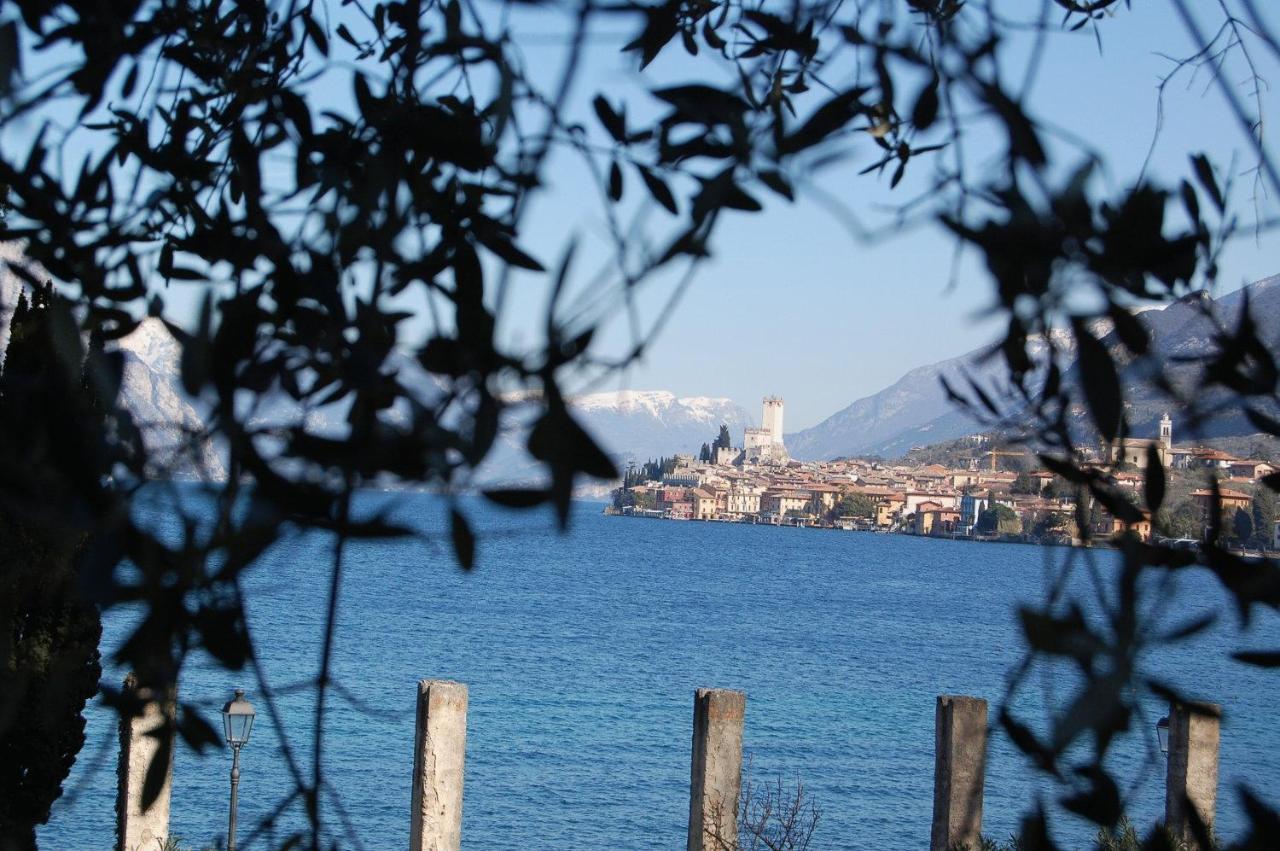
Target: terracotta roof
(1224,493)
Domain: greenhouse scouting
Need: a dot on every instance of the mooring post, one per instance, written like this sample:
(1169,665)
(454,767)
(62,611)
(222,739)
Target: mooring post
(715,777)
(439,755)
(959,769)
(142,738)
(1191,780)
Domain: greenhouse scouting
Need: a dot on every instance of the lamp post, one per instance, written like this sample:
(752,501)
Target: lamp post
(237,721)
(1162,733)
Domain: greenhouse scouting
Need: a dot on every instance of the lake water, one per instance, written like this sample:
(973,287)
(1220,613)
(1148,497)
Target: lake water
(582,652)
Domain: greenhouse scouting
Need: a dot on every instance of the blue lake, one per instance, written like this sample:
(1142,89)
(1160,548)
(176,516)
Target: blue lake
(582,652)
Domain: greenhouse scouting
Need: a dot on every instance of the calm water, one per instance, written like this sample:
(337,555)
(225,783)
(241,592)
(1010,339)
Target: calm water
(582,652)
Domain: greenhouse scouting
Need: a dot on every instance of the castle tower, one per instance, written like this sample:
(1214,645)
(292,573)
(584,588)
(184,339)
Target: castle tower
(771,417)
(1166,431)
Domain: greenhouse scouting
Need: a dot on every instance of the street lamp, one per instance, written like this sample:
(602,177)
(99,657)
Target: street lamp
(1162,733)
(237,721)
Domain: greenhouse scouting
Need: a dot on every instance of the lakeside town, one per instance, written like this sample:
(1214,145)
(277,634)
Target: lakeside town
(973,488)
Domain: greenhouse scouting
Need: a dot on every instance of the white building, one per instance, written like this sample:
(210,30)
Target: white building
(725,456)
(765,443)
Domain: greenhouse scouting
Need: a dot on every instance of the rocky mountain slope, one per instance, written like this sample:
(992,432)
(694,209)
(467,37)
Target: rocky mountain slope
(151,392)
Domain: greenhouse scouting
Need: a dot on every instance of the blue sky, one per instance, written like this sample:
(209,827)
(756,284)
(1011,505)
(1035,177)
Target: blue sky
(791,304)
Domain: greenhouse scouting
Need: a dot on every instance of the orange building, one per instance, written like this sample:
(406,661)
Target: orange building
(1228,501)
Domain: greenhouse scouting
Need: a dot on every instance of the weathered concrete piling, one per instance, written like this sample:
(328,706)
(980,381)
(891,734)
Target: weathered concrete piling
(959,770)
(715,777)
(141,737)
(1192,778)
(439,755)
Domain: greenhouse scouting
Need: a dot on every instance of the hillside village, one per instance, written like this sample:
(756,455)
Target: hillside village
(986,492)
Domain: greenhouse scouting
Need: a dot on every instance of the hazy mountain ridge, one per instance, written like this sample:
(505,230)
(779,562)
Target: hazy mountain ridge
(915,411)
(912,411)
(636,425)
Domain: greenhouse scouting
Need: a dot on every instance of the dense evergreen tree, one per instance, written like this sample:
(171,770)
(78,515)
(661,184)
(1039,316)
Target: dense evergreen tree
(855,505)
(49,632)
(723,441)
(1242,527)
(1264,518)
(1024,484)
(1000,520)
(1182,520)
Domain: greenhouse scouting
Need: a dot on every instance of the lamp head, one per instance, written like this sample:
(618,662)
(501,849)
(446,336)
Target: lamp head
(237,719)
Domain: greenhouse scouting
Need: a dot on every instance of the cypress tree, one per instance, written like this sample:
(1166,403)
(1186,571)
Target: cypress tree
(49,633)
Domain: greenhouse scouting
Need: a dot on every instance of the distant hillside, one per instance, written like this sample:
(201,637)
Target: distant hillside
(1182,331)
(914,411)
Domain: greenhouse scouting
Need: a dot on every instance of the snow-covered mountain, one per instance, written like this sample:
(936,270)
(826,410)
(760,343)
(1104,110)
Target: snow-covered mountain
(151,392)
(644,424)
(629,425)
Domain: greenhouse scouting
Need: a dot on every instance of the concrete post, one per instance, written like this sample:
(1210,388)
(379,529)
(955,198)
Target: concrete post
(138,829)
(715,777)
(959,768)
(439,754)
(1192,778)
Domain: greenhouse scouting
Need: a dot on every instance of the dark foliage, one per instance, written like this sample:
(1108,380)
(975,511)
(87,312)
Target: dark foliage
(215,156)
(723,440)
(49,632)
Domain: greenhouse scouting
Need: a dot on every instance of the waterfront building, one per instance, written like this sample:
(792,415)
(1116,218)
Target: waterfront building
(743,500)
(669,496)
(933,519)
(889,511)
(972,504)
(1108,526)
(704,504)
(913,499)
(779,502)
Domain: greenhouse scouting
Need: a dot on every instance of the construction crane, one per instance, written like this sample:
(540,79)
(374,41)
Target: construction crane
(994,453)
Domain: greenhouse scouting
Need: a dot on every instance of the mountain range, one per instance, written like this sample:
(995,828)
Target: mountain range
(638,425)
(915,410)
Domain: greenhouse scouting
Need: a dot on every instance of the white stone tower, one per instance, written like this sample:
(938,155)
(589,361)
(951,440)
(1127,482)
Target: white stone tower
(764,444)
(771,418)
(1166,431)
